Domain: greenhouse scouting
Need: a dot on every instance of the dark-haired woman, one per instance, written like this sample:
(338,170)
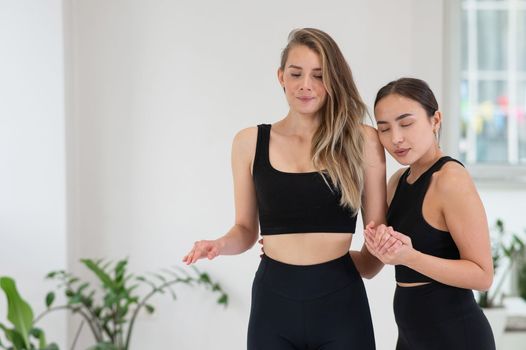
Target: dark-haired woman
(437,234)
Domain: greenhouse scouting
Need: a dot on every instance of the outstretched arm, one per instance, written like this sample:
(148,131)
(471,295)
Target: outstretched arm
(243,235)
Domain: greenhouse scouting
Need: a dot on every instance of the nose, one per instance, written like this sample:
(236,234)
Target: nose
(396,136)
(306,83)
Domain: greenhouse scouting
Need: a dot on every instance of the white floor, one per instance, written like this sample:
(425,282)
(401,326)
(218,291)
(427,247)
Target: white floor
(514,340)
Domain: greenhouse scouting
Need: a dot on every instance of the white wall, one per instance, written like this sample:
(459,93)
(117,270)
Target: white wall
(158,90)
(32,162)
(154,92)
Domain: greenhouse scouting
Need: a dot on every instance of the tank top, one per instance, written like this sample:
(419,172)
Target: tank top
(296,202)
(405,216)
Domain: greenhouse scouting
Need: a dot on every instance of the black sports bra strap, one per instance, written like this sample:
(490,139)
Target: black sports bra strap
(263,140)
(441,162)
(436,167)
(426,177)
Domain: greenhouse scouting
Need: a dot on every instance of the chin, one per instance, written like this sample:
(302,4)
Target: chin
(406,161)
(303,109)
(308,112)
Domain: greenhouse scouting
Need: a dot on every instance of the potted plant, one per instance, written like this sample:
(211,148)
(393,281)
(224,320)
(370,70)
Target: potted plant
(109,310)
(24,335)
(508,250)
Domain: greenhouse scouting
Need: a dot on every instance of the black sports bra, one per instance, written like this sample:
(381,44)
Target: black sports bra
(405,215)
(296,202)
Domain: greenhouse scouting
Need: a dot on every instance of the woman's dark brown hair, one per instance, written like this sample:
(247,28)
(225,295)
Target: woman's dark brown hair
(412,88)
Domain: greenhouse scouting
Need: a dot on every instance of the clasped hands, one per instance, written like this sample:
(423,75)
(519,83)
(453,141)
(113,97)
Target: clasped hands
(387,245)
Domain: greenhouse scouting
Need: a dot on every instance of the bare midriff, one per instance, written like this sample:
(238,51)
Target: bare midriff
(306,248)
(414,284)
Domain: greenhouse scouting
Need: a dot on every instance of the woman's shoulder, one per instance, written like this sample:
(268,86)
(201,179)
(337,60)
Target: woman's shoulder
(369,132)
(452,179)
(370,137)
(246,134)
(244,143)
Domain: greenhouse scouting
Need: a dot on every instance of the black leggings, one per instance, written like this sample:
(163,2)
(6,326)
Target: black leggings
(322,306)
(437,316)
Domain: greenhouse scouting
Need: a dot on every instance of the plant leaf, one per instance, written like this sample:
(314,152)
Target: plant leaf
(19,312)
(103,276)
(149,308)
(103,346)
(50,297)
(39,334)
(13,337)
(8,332)
(52,346)
(147,281)
(223,300)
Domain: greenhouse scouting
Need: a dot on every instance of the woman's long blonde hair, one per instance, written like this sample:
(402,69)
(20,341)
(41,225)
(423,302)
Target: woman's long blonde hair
(338,144)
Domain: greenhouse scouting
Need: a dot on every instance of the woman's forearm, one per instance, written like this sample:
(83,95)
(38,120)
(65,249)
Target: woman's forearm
(367,265)
(458,273)
(237,240)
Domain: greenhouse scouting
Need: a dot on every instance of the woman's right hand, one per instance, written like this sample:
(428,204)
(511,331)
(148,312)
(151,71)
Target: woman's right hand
(384,243)
(262,247)
(203,249)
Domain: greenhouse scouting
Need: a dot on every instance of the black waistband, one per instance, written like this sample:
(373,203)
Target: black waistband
(301,282)
(432,303)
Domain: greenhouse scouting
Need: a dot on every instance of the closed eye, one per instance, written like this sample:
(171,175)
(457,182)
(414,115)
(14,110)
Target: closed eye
(406,125)
(383,130)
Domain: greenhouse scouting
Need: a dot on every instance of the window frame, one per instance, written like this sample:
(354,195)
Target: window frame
(504,175)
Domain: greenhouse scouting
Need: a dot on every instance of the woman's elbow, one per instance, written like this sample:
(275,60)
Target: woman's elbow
(371,270)
(485,283)
(369,275)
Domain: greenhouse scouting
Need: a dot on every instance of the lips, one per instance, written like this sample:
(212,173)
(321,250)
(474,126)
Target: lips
(305,98)
(401,151)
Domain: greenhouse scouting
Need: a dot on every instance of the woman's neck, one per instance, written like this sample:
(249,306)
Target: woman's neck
(425,162)
(300,124)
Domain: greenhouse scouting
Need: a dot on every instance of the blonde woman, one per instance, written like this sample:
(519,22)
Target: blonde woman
(306,177)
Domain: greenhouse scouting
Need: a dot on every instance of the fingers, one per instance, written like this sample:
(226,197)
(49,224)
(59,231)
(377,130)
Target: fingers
(385,240)
(388,244)
(201,249)
(403,238)
(379,235)
(395,247)
(371,249)
(370,225)
(369,239)
(262,248)
(212,253)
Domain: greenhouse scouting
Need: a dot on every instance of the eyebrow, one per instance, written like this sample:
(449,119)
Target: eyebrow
(397,118)
(298,67)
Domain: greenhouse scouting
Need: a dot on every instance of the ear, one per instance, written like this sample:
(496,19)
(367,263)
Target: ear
(437,121)
(280,77)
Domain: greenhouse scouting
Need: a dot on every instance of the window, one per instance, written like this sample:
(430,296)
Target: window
(486,88)
(493,83)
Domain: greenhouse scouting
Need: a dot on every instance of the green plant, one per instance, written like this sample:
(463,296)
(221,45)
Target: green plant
(23,335)
(522,281)
(508,251)
(111,316)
